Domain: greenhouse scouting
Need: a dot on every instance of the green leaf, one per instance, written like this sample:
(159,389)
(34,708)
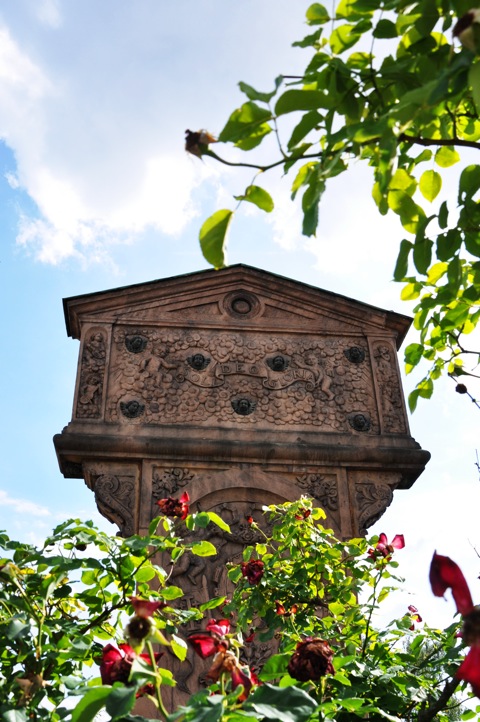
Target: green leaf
(344,37)
(253,94)
(443,215)
(145,574)
(247,122)
(469,183)
(401,267)
(120,701)
(171,592)
(293,100)
(218,521)
(474,81)
(412,400)
(317,14)
(275,666)
(430,184)
(179,647)
(436,272)
(411,291)
(14,715)
(204,549)
(212,603)
(285,704)
(259,197)
(446,156)
(213,237)
(91,704)
(385,29)
(422,254)
(308,122)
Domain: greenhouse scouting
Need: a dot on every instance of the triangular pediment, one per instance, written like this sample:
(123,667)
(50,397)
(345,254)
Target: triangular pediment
(240,297)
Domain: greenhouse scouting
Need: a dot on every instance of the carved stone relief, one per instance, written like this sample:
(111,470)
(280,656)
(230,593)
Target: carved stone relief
(204,578)
(167,482)
(92,372)
(115,498)
(390,392)
(239,378)
(372,499)
(324,489)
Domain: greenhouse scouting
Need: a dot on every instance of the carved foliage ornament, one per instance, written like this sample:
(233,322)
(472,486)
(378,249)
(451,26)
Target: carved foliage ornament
(167,482)
(372,499)
(115,497)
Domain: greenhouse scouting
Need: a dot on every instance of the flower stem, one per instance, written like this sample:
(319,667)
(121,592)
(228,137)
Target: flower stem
(158,691)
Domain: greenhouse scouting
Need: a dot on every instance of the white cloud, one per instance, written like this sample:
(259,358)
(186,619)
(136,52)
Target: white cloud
(48,12)
(22,506)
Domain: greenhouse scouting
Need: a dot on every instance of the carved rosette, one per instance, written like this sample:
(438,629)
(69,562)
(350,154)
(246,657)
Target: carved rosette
(391,404)
(115,498)
(372,500)
(92,374)
(239,379)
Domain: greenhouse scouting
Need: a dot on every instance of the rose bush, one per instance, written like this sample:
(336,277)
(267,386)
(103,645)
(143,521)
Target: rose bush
(88,624)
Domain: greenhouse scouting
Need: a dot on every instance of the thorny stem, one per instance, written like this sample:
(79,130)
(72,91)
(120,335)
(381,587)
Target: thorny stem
(158,691)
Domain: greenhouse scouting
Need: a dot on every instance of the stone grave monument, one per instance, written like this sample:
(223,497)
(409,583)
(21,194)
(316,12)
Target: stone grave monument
(242,388)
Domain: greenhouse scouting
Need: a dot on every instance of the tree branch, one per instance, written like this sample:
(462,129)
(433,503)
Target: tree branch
(428,713)
(404,138)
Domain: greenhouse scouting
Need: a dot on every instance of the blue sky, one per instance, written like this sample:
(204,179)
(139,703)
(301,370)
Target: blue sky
(96,191)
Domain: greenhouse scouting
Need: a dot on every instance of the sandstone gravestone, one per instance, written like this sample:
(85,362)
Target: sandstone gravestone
(242,388)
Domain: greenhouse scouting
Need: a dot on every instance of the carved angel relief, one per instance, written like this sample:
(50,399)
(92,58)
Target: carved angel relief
(238,378)
(389,386)
(90,393)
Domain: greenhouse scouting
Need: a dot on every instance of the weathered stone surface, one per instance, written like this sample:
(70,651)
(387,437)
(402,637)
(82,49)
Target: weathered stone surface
(243,388)
(237,385)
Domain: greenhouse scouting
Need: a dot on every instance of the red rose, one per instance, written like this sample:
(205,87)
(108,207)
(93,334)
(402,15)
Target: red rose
(253,570)
(311,660)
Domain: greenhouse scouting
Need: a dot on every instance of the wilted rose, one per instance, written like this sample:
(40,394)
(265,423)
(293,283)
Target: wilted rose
(311,660)
(253,570)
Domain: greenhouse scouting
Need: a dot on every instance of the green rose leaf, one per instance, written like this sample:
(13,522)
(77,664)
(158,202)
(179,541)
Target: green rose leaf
(293,100)
(120,701)
(285,704)
(213,237)
(91,704)
(204,549)
(259,197)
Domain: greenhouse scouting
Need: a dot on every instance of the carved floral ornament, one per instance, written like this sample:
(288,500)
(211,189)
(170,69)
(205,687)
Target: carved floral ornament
(186,375)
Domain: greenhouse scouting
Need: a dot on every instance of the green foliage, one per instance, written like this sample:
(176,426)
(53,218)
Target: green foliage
(412,98)
(63,605)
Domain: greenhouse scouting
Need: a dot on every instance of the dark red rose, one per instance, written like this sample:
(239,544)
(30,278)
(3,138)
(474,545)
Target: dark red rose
(116,665)
(446,574)
(253,570)
(384,548)
(174,508)
(311,660)
(203,644)
(144,607)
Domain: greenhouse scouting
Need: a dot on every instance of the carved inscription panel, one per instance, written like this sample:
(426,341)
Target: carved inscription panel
(236,379)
